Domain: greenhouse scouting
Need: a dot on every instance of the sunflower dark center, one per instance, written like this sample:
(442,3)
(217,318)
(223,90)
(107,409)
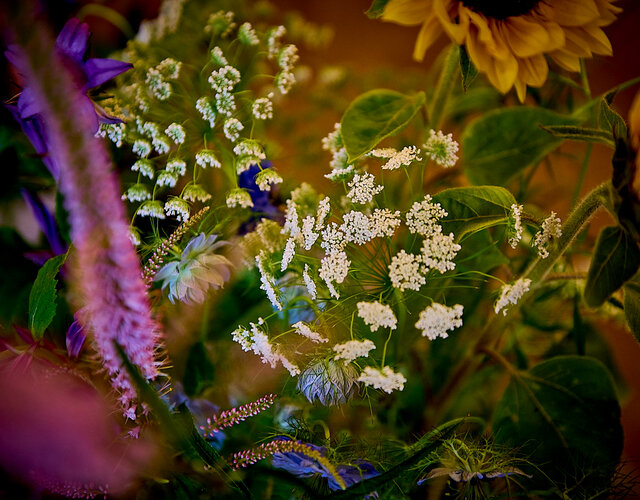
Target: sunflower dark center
(501,9)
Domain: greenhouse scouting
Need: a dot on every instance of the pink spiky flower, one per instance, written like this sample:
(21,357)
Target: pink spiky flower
(233,416)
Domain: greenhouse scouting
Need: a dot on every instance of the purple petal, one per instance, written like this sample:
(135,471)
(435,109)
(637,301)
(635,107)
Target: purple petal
(75,339)
(28,104)
(32,128)
(103,117)
(24,334)
(46,221)
(15,56)
(72,40)
(101,70)
(85,107)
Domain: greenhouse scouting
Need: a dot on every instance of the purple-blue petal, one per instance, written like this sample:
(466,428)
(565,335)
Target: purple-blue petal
(72,40)
(85,106)
(28,104)
(16,57)
(103,117)
(101,70)
(32,128)
(75,339)
(46,221)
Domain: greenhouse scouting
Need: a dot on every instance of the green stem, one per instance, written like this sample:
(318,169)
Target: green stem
(444,87)
(574,224)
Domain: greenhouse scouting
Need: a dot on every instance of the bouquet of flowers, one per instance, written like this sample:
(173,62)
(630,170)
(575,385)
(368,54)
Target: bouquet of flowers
(272,278)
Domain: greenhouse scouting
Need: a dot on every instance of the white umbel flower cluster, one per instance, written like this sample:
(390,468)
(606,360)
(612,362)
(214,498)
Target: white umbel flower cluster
(437,319)
(334,267)
(363,188)
(258,342)
(515,225)
(441,148)
(438,251)
(356,227)
(238,197)
(383,222)
(510,294)
(353,349)
(397,159)
(551,228)
(311,285)
(375,315)
(424,215)
(385,379)
(304,330)
(404,271)
(288,253)
(268,283)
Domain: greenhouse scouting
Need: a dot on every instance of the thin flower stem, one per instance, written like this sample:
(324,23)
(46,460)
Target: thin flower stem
(444,87)
(384,351)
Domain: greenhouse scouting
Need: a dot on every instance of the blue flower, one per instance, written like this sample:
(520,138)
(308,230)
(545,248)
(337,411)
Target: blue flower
(263,201)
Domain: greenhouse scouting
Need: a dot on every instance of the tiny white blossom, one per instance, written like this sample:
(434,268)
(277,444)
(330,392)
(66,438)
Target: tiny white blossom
(206,109)
(441,148)
(324,206)
(262,108)
(356,227)
(341,174)
(207,158)
(156,84)
(288,57)
(176,132)
(243,337)
(308,234)
(311,286)
(383,222)
(304,330)
(510,294)
(423,216)
(267,178)
(363,188)
(285,80)
(334,267)
(397,159)
(239,197)
(291,219)
(551,228)
(376,315)
(333,141)
(385,379)
(268,283)
(232,128)
(333,239)
(273,40)
(145,167)
(438,251)
(516,228)
(114,131)
(195,192)
(217,56)
(170,68)
(166,178)
(288,253)
(437,319)
(137,192)
(176,166)
(161,144)
(247,35)
(224,79)
(404,271)
(263,348)
(141,148)
(353,349)
(225,103)
(151,208)
(291,368)
(178,207)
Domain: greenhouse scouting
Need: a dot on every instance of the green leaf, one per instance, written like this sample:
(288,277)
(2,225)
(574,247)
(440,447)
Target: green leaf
(474,208)
(616,259)
(376,9)
(632,305)
(580,134)
(42,299)
(375,115)
(467,69)
(562,414)
(610,117)
(502,143)
(199,370)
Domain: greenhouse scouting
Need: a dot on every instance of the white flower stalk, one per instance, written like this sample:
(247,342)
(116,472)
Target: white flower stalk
(405,272)
(288,57)
(423,216)
(334,267)
(356,228)
(288,253)
(515,228)
(309,235)
(304,330)
(441,148)
(437,319)
(238,197)
(324,207)
(551,228)
(438,252)
(258,342)
(397,159)
(206,109)
(511,294)
(308,281)
(384,222)
(267,178)
(247,35)
(363,188)
(291,219)
(375,315)
(353,349)
(268,282)
(333,239)
(385,379)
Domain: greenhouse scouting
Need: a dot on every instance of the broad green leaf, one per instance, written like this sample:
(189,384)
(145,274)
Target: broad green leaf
(562,414)
(375,115)
(500,144)
(467,69)
(42,299)
(616,259)
(632,305)
(376,9)
(474,208)
(610,118)
(581,134)
(198,373)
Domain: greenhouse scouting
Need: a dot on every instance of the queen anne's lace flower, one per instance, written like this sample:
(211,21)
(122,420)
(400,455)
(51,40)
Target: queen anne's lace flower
(437,319)
(510,294)
(308,281)
(207,158)
(304,330)
(334,267)
(239,197)
(145,167)
(385,379)
(151,208)
(178,207)
(353,349)
(137,192)
(515,228)
(268,283)
(324,206)
(333,239)
(376,315)
(363,188)
(195,192)
(262,108)
(438,252)
(441,148)
(267,178)
(423,216)
(397,159)
(404,271)
(308,233)
(356,228)
(551,228)
(383,222)
(198,269)
(288,253)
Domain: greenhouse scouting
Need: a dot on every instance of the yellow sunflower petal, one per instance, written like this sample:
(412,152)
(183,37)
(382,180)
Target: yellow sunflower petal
(521,90)
(569,12)
(598,41)
(407,12)
(576,44)
(567,61)
(500,72)
(446,12)
(533,70)
(527,38)
(608,12)
(489,36)
(430,31)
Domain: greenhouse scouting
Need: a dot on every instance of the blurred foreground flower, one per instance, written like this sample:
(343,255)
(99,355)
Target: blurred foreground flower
(507,41)
(198,268)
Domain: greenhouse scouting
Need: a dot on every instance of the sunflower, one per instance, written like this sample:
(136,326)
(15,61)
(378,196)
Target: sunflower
(507,39)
